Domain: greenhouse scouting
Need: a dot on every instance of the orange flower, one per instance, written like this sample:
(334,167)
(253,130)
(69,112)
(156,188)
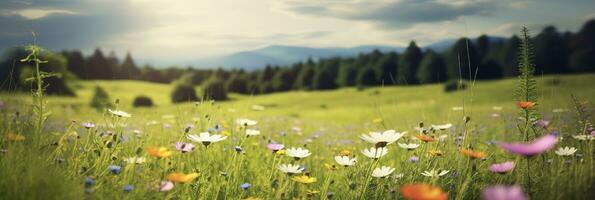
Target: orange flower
(525,104)
(420,191)
(181,177)
(159,152)
(345,153)
(435,152)
(15,137)
(425,138)
(473,154)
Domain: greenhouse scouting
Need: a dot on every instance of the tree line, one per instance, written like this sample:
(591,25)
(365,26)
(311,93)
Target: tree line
(478,58)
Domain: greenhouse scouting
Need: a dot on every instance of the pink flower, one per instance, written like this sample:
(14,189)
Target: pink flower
(165,186)
(539,145)
(275,147)
(184,147)
(503,192)
(502,168)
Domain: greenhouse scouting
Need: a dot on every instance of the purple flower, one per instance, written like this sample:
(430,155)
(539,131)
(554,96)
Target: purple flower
(88,125)
(503,192)
(539,145)
(89,182)
(238,149)
(165,186)
(184,147)
(245,186)
(275,147)
(115,169)
(413,159)
(502,168)
(541,123)
(128,188)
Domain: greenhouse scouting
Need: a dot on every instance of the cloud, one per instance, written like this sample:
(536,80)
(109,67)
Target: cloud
(392,14)
(520,4)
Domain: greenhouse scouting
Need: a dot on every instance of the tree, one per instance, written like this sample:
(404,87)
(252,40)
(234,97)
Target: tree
(283,80)
(323,80)
(76,63)
(508,60)
(183,93)
(432,68)
(214,89)
(128,69)
(483,46)
(98,66)
(462,60)
(551,54)
(238,84)
(347,74)
(100,99)
(367,77)
(408,64)
(582,58)
(304,79)
(387,68)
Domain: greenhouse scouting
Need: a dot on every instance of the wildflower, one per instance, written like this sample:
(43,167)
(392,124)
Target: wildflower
(184,147)
(114,169)
(15,137)
(329,195)
(420,191)
(128,188)
(245,186)
(584,137)
(497,108)
(345,161)
(473,154)
(425,138)
(135,160)
(245,122)
(538,146)
(119,113)
(179,177)
(312,192)
(375,152)
(281,152)
(503,192)
(238,149)
(252,132)
(88,125)
(275,147)
(413,159)
(541,123)
(159,152)
(345,152)
(304,179)
(382,139)
(410,146)
(382,171)
(165,186)
(566,151)
(206,138)
(257,107)
(442,126)
(297,153)
(502,168)
(290,169)
(525,104)
(397,176)
(435,152)
(89,182)
(435,173)
(330,166)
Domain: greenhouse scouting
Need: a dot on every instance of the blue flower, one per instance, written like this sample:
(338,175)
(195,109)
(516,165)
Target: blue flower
(245,186)
(114,169)
(413,159)
(89,181)
(238,149)
(128,188)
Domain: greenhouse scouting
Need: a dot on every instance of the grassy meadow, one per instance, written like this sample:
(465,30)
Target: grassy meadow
(68,161)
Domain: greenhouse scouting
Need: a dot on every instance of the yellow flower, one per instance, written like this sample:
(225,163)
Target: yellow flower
(378,120)
(435,152)
(473,154)
(225,133)
(159,152)
(330,167)
(312,192)
(181,177)
(304,179)
(15,137)
(280,152)
(345,153)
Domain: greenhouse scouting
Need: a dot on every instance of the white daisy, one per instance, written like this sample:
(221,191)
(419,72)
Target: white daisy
(382,171)
(345,160)
(297,153)
(252,132)
(382,139)
(246,122)
(119,113)
(374,152)
(410,146)
(135,160)
(290,169)
(206,138)
(566,151)
(442,126)
(435,173)
(583,137)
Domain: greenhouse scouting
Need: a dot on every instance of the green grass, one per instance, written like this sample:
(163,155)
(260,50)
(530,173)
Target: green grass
(327,120)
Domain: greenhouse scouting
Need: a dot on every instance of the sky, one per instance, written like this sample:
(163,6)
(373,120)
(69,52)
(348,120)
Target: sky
(179,31)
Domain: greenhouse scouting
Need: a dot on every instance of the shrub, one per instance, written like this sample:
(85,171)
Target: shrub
(183,93)
(214,90)
(454,85)
(142,101)
(100,99)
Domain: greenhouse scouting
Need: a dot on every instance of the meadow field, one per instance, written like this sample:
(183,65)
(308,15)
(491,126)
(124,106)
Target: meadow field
(163,152)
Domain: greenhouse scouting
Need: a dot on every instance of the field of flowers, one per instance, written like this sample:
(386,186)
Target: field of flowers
(429,145)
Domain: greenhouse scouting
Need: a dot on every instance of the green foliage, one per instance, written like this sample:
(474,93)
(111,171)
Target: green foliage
(214,89)
(100,99)
(238,84)
(183,93)
(526,90)
(142,101)
(432,68)
(323,80)
(462,60)
(367,77)
(304,79)
(128,69)
(409,64)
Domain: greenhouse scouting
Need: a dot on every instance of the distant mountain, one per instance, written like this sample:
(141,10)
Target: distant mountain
(286,55)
